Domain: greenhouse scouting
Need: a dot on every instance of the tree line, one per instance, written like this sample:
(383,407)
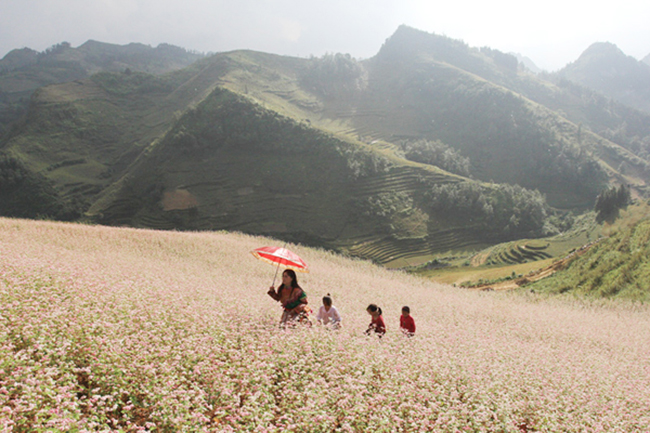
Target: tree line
(504,211)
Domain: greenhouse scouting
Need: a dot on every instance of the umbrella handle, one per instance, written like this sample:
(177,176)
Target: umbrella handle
(276,274)
(277,268)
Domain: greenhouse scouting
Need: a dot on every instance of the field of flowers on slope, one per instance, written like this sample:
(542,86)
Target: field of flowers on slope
(110,329)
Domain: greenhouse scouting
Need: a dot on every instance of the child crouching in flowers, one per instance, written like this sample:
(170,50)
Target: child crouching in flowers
(293,300)
(328,315)
(406,322)
(377,325)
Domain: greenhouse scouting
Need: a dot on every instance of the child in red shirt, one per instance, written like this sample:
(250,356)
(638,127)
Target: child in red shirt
(377,325)
(406,322)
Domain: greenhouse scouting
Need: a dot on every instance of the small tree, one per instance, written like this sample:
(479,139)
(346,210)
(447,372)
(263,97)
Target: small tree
(609,201)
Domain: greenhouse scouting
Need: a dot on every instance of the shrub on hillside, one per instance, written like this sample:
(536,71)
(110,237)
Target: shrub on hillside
(334,75)
(613,267)
(610,201)
(436,153)
(131,82)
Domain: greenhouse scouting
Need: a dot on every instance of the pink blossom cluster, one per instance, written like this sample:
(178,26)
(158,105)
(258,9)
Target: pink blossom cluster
(107,329)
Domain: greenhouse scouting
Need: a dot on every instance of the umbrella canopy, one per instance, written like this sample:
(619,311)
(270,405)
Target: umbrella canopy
(281,257)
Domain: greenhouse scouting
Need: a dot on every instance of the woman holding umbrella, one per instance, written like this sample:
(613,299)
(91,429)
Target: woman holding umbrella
(293,299)
(289,293)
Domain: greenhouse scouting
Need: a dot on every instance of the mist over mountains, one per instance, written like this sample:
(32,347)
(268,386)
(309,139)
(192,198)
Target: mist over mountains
(430,146)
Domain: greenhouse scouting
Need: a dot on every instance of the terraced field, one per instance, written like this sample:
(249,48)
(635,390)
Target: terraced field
(398,253)
(256,202)
(517,252)
(508,265)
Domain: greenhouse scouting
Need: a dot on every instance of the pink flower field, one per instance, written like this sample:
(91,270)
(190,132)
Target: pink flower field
(113,329)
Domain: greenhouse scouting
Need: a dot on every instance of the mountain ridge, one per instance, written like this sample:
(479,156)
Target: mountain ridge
(199,148)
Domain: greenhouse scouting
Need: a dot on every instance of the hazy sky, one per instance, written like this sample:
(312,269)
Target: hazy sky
(552,33)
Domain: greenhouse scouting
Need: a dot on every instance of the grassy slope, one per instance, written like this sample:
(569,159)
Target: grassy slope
(83,135)
(615,267)
(382,121)
(582,277)
(79,135)
(106,328)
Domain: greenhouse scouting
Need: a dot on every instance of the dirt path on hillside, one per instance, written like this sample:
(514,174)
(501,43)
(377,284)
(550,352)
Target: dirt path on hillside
(480,259)
(537,274)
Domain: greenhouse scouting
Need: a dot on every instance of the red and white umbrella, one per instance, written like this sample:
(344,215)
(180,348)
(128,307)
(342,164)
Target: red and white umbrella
(280,257)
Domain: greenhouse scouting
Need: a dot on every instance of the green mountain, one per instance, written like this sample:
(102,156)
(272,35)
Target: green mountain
(606,69)
(22,71)
(429,147)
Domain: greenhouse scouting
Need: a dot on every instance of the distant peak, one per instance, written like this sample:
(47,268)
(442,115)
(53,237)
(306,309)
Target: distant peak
(646,60)
(603,49)
(527,62)
(408,40)
(91,42)
(404,31)
(18,58)
(605,55)
(403,28)
(20,53)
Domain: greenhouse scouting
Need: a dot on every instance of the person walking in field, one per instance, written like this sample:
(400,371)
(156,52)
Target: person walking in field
(377,325)
(328,315)
(292,298)
(406,322)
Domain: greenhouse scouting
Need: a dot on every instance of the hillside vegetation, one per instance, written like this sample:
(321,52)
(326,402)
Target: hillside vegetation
(122,329)
(429,149)
(615,267)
